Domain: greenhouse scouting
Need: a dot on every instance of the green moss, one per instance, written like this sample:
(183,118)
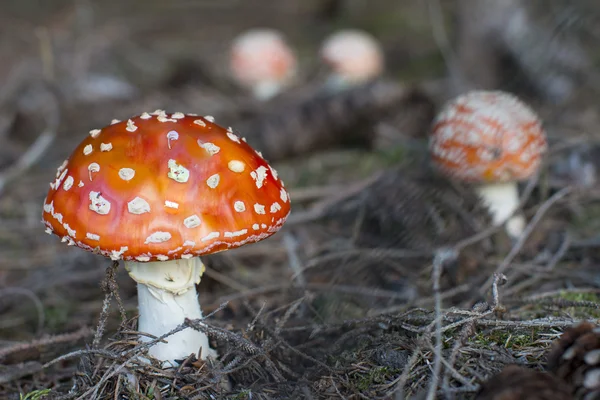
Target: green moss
(510,340)
(374,376)
(35,395)
(580,312)
(243,395)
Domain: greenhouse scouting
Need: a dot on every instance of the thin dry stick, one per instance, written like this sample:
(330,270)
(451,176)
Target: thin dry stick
(442,256)
(108,286)
(525,235)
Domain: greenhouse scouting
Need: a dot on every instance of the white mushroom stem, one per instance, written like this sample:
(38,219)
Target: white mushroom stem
(166,296)
(266,90)
(502,200)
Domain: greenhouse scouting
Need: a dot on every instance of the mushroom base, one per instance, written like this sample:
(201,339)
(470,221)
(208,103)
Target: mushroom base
(502,200)
(166,296)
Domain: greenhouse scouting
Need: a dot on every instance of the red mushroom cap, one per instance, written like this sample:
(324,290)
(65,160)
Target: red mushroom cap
(487,136)
(159,187)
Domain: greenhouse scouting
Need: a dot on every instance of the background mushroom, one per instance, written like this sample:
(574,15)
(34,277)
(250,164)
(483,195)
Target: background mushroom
(158,191)
(353,56)
(263,62)
(494,140)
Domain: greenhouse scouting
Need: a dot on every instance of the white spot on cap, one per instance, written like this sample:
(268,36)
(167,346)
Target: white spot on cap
(163,118)
(49,230)
(93,167)
(95,132)
(178,115)
(210,148)
(256,227)
(259,208)
(126,174)
(49,208)
(275,207)
(236,166)
(61,168)
(210,236)
(232,135)
(172,135)
(162,257)
(92,236)
(115,121)
(98,203)
(158,237)
(263,226)
(138,206)
(239,206)
(117,254)
(80,184)
(145,115)
(58,181)
(189,243)
(171,204)
(236,233)
(178,172)
(142,258)
(158,111)
(284,195)
(259,176)
(200,122)
(58,217)
(87,149)
(131,126)
(273,172)
(68,183)
(105,146)
(192,221)
(70,231)
(209,118)
(213,181)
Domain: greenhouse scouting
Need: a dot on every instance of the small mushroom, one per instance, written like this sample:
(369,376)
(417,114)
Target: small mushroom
(262,61)
(353,56)
(494,140)
(159,204)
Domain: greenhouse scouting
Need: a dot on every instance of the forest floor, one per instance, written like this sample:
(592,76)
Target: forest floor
(337,304)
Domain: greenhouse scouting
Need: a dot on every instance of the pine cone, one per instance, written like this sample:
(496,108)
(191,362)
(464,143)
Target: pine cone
(519,383)
(575,358)
(329,120)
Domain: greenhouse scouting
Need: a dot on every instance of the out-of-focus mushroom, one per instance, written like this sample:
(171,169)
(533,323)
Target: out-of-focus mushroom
(158,191)
(262,61)
(494,140)
(353,56)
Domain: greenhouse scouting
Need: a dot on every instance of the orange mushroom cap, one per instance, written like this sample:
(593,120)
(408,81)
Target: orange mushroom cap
(160,187)
(487,136)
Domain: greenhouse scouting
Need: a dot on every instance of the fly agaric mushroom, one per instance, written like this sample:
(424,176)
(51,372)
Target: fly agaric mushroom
(494,140)
(263,62)
(158,191)
(354,57)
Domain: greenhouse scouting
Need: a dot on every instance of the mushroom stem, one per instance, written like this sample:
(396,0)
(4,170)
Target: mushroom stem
(502,200)
(266,90)
(166,296)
